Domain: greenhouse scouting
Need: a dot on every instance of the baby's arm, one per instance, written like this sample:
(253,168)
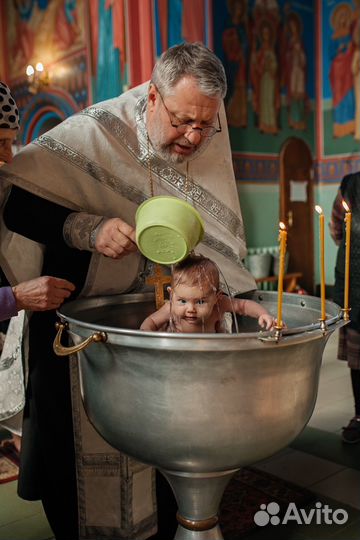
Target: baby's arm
(249,308)
(156,320)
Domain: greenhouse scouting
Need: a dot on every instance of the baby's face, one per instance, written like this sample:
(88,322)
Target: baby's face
(192,306)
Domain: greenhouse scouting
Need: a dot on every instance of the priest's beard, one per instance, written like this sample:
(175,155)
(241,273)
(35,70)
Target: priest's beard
(165,150)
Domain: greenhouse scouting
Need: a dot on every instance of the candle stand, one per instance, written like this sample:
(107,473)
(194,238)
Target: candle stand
(323,326)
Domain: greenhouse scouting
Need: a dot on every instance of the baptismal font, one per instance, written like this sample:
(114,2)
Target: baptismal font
(197,406)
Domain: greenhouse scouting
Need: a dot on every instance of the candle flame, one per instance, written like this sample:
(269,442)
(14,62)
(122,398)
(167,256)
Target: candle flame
(282,226)
(318,209)
(30,70)
(347,209)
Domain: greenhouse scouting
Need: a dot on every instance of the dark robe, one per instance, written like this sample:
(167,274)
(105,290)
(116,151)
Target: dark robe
(47,466)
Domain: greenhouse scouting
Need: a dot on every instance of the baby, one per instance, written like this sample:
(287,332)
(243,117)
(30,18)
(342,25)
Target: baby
(197,304)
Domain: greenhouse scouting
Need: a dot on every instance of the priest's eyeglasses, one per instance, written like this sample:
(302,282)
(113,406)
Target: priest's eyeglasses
(206,131)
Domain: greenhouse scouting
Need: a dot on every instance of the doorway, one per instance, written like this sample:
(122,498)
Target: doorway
(297,208)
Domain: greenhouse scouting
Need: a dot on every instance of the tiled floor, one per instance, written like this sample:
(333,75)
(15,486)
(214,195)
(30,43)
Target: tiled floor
(335,483)
(19,519)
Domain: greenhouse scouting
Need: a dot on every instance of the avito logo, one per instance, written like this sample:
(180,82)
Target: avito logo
(321,514)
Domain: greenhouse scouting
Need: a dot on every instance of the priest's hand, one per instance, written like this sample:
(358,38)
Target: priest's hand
(115,238)
(42,293)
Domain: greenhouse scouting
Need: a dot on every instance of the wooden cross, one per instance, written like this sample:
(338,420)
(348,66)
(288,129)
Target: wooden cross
(158,279)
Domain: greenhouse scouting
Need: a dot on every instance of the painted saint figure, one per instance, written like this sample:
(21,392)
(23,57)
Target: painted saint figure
(23,46)
(66,26)
(235,45)
(295,72)
(341,77)
(264,76)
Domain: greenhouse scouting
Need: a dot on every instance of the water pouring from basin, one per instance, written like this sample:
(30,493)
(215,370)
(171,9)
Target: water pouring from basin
(197,406)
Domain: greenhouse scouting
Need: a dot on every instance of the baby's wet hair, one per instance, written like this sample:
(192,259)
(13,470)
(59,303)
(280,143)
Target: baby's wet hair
(196,270)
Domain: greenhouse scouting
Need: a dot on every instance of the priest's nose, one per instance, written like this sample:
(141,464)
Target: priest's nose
(193,137)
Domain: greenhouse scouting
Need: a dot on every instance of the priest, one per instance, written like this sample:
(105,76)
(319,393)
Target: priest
(72,196)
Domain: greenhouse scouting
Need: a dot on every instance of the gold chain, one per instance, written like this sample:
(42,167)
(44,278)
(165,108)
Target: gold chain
(187,181)
(149,167)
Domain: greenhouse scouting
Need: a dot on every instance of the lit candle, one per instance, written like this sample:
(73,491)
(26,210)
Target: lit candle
(322,261)
(282,240)
(347,259)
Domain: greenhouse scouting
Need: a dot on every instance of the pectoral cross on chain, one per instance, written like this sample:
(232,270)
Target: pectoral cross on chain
(158,279)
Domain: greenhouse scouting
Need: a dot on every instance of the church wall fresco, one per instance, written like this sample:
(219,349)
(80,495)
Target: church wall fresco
(42,30)
(275,69)
(92,50)
(341,76)
(267,49)
(52,32)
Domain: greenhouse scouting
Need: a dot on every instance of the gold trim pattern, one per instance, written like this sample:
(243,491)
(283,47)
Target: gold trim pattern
(221,248)
(91,168)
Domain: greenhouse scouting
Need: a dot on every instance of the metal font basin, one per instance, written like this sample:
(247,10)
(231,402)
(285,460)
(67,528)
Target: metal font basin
(198,402)
(197,406)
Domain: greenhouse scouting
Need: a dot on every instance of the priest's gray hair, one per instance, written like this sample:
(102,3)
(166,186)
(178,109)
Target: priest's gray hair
(194,60)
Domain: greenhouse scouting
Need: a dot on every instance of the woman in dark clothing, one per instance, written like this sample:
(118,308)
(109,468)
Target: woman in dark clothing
(349,337)
(47,469)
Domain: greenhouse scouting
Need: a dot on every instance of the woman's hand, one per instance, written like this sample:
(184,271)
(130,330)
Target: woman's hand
(42,293)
